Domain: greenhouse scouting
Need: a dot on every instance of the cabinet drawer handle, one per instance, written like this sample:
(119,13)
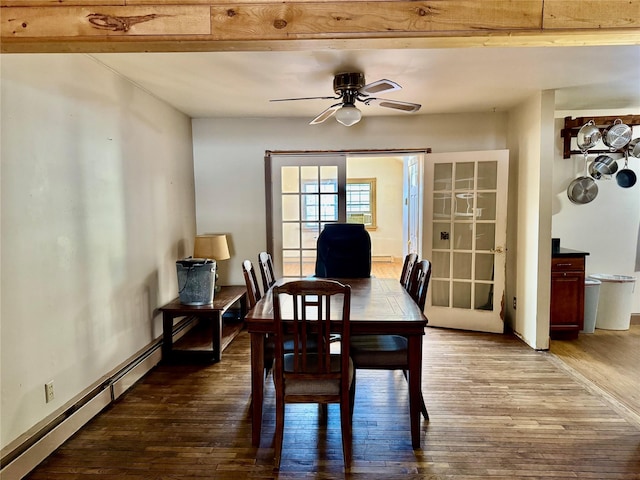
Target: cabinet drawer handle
(563,264)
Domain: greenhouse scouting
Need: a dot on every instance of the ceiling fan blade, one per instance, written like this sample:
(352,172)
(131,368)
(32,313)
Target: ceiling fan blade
(328,113)
(303,98)
(403,106)
(380,86)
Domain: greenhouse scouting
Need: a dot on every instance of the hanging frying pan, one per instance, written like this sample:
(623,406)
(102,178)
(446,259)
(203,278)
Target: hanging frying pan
(626,177)
(583,189)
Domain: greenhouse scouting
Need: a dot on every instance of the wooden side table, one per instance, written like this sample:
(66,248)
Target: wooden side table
(210,318)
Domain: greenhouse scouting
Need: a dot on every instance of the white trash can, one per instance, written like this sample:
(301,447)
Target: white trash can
(614,304)
(591,296)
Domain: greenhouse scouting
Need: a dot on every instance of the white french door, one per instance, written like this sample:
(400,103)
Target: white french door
(465,236)
(307,192)
(413,210)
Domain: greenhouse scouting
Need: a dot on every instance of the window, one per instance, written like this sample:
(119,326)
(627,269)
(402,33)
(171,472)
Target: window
(361,201)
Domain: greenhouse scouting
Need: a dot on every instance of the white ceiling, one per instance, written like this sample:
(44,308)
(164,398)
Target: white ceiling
(453,80)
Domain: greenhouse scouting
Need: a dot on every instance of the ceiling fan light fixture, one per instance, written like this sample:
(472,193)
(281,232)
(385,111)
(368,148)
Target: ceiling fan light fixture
(348,115)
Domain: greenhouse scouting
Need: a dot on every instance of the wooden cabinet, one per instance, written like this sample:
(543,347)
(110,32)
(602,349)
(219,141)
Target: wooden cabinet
(567,295)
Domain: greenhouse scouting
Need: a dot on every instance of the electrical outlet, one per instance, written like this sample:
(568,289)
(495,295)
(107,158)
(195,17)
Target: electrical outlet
(514,303)
(48,391)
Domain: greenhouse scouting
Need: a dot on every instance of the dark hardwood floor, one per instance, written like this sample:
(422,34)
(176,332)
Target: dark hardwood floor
(498,410)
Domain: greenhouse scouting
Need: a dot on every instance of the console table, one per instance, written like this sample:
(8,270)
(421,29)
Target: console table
(217,334)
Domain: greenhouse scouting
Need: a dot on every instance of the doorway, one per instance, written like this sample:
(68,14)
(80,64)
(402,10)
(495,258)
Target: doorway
(307,190)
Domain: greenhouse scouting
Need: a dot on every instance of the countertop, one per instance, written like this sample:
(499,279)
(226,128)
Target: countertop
(567,252)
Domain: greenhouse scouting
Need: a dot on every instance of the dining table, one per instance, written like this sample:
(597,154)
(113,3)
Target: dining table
(378,306)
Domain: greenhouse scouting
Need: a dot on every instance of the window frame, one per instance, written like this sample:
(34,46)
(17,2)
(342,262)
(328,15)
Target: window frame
(371,181)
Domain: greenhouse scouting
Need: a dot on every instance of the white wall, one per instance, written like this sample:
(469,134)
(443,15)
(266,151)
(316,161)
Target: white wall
(530,142)
(229,162)
(608,226)
(97,204)
(386,240)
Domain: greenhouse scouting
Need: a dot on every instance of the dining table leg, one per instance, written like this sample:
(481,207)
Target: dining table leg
(415,387)
(257,386)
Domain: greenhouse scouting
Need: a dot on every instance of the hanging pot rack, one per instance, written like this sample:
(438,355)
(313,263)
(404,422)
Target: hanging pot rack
(572,125)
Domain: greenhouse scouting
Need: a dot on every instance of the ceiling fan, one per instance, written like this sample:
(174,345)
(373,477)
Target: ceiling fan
(351,88)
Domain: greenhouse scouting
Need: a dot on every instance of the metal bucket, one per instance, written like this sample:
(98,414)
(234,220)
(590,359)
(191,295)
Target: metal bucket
(196,280)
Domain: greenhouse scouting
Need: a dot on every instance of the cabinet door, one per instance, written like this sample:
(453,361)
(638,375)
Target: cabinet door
(567,300)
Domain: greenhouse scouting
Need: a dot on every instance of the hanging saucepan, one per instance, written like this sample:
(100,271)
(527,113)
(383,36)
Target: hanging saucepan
(617,136)
(603,165)
(594,172)
(634,148)
(588,136)
(582,189)
(626,177)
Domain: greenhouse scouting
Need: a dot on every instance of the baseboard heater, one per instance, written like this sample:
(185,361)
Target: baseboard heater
(382,258)
(38,446)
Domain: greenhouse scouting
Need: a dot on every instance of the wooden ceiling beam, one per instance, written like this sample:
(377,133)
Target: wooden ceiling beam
(199,25)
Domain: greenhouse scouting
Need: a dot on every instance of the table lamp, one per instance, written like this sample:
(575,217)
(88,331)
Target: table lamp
(213,246)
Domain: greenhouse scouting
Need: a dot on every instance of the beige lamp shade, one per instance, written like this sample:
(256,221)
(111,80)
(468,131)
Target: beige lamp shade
(211,246)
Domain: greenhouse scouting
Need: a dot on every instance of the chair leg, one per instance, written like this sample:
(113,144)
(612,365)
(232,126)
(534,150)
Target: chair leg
(279,434)
(345,423)
(352,394)
(423,407)
(323,413)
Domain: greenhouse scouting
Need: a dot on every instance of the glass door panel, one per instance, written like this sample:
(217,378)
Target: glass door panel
(442,177)
(290,179)
(439,293)
(487,175)
(290,207)
(486,206)
(463,236)
(485,236)
(461,295)
(483,296)
(484,267)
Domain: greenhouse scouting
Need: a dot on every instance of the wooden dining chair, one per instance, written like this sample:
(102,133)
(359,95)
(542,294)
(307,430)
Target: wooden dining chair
(251,283)
(409,261)
(253,295)
(313,309)
(419,282)
(266,270)
(391,352)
